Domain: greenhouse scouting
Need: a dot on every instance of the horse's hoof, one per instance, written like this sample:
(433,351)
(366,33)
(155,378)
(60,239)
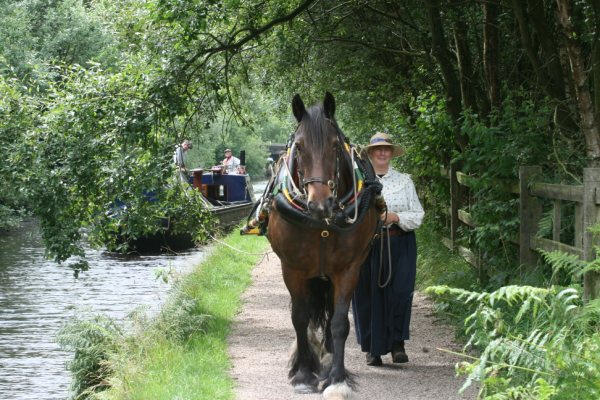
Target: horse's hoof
(338,391)
(303,388)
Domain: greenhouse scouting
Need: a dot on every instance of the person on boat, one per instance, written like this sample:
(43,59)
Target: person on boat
(382,301)
(179,159)
(241,170)
(230,162)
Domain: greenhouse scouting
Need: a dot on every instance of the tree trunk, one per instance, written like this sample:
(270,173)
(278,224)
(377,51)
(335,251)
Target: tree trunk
(548,70)
(466,76)
(443,56)
(596,60)
(589,124)
(550,57)
(517,6)
(596,77)
(490,51)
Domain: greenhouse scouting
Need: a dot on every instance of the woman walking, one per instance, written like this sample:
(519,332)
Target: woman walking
(383,298)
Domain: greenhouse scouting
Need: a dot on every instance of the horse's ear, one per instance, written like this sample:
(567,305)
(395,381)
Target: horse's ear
(329,105)
(298,107)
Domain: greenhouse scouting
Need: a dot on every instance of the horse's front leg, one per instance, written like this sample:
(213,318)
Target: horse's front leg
(304,361)
(339,383)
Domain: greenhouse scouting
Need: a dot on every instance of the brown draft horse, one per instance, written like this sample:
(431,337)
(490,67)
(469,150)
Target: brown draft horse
(320,265)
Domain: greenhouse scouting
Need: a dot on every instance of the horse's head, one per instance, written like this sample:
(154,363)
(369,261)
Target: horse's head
(316,146)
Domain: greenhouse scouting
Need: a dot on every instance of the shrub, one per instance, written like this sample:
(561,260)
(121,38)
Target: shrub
(92,340)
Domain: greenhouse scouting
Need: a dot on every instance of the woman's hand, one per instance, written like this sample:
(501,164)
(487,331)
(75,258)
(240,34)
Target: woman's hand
(389,218)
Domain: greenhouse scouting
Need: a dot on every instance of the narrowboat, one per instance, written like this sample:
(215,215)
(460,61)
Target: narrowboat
(229,196)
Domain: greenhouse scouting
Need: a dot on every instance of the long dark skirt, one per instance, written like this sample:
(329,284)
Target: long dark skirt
(382,315)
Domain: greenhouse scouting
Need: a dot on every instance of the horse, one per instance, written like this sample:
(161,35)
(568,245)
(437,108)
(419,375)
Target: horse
(321,225)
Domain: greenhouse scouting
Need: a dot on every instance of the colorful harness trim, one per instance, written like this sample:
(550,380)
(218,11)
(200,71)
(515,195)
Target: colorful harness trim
(288,199)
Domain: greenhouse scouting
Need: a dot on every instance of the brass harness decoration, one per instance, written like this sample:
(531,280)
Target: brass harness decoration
(283,193)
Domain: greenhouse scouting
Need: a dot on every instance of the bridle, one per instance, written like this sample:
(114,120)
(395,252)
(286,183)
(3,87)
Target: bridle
(288,186)
(333,183)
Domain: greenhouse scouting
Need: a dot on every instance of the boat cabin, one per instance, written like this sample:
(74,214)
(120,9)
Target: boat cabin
(222,189)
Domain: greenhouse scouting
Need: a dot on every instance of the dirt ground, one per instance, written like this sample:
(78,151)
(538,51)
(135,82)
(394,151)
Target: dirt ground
(262,335)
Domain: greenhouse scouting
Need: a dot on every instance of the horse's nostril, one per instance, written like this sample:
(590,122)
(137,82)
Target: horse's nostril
(312,206)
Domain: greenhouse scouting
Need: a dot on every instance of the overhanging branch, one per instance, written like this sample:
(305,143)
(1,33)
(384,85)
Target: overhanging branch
(253,33)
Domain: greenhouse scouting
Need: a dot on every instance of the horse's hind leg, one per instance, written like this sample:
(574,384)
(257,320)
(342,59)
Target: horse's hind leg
(304,362)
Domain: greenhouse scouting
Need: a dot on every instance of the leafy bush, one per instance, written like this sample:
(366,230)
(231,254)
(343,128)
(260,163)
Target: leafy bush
(173,211)
(8,218)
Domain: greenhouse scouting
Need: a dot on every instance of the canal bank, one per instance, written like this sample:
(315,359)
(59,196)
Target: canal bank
(182,352)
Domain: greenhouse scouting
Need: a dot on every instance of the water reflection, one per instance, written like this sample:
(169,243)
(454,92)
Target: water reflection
(38,296)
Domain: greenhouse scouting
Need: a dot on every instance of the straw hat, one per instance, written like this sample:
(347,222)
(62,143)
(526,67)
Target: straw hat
(383,139)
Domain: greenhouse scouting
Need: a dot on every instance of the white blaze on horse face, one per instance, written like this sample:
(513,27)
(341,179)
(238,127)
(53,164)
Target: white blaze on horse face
(318,191)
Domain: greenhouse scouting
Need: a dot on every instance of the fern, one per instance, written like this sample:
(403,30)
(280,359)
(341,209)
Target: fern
(534,343)
(545,223)
(560,261)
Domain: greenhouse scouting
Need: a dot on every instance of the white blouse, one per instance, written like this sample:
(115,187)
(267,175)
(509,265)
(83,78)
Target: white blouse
(401,197)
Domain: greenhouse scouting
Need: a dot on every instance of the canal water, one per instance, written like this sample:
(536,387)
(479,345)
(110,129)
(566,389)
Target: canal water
(38,296)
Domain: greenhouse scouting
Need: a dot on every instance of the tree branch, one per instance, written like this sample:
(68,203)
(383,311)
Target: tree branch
(370,46)
(254,33)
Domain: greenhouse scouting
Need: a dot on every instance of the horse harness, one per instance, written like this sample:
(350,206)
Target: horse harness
(290,199)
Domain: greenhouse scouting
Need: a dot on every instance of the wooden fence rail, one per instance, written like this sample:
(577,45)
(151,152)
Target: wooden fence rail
(531,192)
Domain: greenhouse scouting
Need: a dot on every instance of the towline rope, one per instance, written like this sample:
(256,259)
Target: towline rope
(265,254)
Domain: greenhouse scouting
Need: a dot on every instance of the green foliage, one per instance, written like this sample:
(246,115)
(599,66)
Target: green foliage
(35,32)
(175,211)
(17,116)
(92,340)
(8,218)
(95,144)
(425,138)
(181,318)
(566,268)
(534,342)
(437,265)
(71,33)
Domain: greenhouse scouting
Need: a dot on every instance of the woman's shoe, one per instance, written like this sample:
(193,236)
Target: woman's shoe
(398,354)
(374,361)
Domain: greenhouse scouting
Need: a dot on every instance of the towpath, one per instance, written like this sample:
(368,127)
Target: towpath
(262,334)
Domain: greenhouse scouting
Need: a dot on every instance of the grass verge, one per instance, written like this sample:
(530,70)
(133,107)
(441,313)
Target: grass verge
(182,353)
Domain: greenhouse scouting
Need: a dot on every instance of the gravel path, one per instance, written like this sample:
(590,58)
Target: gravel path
(262,335)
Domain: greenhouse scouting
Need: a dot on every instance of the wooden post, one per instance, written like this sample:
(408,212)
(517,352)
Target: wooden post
(530,211)
(591,183)
(556,221)
(578,240)
(454,205)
